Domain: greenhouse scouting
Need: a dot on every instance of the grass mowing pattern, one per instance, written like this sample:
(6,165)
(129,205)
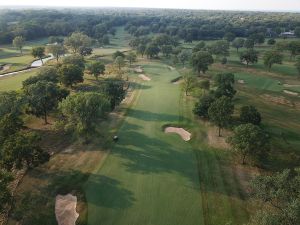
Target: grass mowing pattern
(151,177)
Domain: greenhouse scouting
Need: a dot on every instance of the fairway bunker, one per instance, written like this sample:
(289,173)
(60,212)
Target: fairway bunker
(144,77)
(65,209)
(185,135)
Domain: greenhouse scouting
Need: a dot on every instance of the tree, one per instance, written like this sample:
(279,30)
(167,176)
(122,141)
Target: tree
(77,60)
(201,60)
(131,57)
(272,57)
(229,36)
(238,43)
(19,42)
(249,140)
(118,53)
(114,89)
(249,43)
(199,47)
(85,51)
(97,68)
(220,112)
(119,61)
(77,40)
(249,56)
(152,50)
(224,82)
(57,50)
(43,97)
(10,124)
(184,56)
(47,73)
(23,149)
(166,50)
(258,38)
(38,52)
(5,195)
(280,196)
(188,83)
(204,85)
(202,106)
(294,48)
(220,48)
(11,102)
(271,41)
(298,66)
(81,112)
(249,114)
(70,74)
(141,49)
(297,32)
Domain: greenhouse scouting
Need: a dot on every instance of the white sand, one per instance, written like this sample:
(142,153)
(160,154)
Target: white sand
(171,68)
(144,77)
(290,92)
(65,209)
(185,135)
(241,81)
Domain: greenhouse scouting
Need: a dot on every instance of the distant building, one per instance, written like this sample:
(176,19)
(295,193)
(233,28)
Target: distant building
(288,34)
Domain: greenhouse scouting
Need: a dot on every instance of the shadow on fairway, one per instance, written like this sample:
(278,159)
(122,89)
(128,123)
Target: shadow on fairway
(151,155)
(146,155)
(150,116)
(109,193)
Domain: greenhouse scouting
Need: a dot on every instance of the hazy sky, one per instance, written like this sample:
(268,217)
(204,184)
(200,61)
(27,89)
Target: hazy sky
(276,5)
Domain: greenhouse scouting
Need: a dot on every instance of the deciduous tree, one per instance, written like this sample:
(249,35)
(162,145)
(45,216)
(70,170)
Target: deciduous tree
(249,114)
(249,56)
(97,68)
(70,74)
(201,60)
(38,52)
(272,57)
(220,112)
(19,42)
(249,140)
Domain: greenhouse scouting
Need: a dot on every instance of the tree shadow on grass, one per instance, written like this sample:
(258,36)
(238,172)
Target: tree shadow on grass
(148,155)
(150,116)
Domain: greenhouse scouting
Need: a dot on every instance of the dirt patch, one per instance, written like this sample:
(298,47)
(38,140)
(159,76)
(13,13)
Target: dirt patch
(138,70)
(280,100)
(5,67)
(65,209)
(144,77)
(290,93)
(215,141)
(185,135)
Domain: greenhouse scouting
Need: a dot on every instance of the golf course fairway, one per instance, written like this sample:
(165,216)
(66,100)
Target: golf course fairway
(149,177)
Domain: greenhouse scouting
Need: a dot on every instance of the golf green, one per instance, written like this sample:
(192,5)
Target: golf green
(149,177)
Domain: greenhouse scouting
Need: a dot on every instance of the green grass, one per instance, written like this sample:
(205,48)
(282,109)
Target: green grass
(14,82)
(155,178)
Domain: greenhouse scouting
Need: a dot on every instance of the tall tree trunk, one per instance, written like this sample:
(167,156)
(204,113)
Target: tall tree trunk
(45,117)
(244,158)
(219,131)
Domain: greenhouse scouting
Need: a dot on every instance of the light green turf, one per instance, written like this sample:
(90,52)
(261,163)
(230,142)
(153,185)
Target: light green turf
(154,178)
(14,82)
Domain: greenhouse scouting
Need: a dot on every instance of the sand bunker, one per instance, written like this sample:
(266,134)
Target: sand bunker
(138,70)
(144,77)
(65,209)
(5,67)
(171,68)
(185,135)
(241,81)
(290,93)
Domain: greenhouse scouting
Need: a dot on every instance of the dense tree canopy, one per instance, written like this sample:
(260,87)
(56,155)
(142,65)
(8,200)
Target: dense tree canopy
(201,60)
(81,112)
(281,197)
(250,140)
